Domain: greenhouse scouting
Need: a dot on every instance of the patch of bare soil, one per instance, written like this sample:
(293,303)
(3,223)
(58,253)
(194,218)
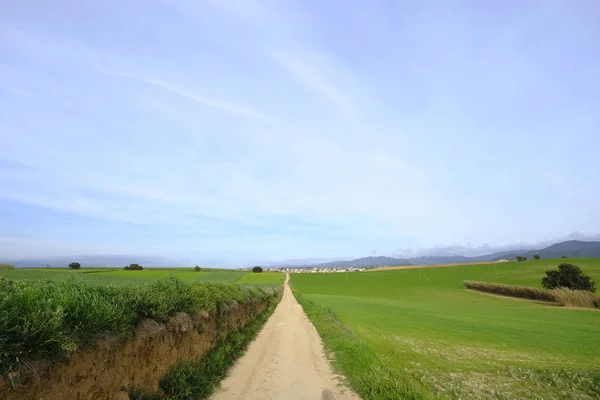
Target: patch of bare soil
(433,266)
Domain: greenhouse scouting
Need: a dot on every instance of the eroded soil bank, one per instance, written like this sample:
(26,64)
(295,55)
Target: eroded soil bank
(112,366)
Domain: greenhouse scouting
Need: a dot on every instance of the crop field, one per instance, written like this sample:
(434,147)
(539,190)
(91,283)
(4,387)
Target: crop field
(120,276)
(417,333)
(264,278)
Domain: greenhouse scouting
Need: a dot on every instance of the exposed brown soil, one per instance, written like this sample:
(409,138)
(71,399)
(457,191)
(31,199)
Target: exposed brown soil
(434,266)
(103,371)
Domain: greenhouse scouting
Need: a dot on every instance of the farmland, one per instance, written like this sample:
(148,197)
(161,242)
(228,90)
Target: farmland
(119,276)
(417,333)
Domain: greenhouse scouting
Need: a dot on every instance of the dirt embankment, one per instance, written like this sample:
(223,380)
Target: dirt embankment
(112,365)
(286,361)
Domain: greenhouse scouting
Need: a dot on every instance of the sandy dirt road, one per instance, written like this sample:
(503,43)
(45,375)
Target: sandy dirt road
(285,362)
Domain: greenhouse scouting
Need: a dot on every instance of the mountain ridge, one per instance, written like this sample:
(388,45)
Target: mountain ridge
(569,248)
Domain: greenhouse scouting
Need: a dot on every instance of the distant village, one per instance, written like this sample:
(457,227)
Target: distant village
(310,270)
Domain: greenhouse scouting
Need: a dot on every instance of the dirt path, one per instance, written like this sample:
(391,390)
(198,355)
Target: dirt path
(285,362)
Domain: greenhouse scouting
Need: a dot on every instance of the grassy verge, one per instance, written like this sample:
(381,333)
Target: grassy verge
(51,319)
(197,379)
(367,373)
(565,297)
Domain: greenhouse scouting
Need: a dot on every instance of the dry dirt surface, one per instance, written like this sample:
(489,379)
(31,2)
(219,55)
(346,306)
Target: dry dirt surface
(285,362)
(433,266)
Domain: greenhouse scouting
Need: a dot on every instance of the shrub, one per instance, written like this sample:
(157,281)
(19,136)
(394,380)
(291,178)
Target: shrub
(576,298)
(7,266)
(75,265)
(564,257)
(257,269)
(134,267)
(536,256)
(197,268)
(525,292)
(568,276)
(564,296)
(521,258)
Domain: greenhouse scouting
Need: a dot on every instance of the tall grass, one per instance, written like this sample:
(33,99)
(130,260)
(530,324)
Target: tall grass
(51,319)
(576,298)
(564,296)
(525,292)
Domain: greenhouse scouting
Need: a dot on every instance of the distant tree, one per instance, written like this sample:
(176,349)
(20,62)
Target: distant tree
(568,276)
(127,268)
(134,267)
(75,265)
(521,258)
(257,269)
(564,257)
(536,257)
(7,266)
(197,268)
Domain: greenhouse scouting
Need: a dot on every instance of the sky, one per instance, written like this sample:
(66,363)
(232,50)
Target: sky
(235,132)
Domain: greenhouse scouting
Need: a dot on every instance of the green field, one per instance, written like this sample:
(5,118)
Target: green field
(418,333)
(264,278)
(120,276)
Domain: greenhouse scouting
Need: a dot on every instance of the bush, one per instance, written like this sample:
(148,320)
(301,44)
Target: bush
(524,292)
(568,276)
(564,257)
(134,267)
(197,268)
(257,269)
(75,265)
(521,258)
(7,266)
(536,256)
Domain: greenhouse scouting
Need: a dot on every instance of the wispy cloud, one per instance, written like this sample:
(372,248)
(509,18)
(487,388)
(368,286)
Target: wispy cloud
(241,110)
(254,130)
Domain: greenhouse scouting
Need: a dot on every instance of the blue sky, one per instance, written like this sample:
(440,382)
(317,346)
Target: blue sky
(246,131)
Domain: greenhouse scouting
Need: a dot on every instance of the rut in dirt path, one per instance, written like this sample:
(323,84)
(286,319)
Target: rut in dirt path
(285,362)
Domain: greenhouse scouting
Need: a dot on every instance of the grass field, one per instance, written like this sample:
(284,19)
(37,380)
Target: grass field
(418,333)
(120,276)
(264,278)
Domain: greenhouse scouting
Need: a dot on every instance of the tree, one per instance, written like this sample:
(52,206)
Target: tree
(521,258)
(197,268)
(564,257)
(134,267)
(7,266)
(536,256)
(568,276)
(75,265)
(257,269)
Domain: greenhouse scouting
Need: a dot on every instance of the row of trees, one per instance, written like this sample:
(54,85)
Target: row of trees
(130,267)
(535,257)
